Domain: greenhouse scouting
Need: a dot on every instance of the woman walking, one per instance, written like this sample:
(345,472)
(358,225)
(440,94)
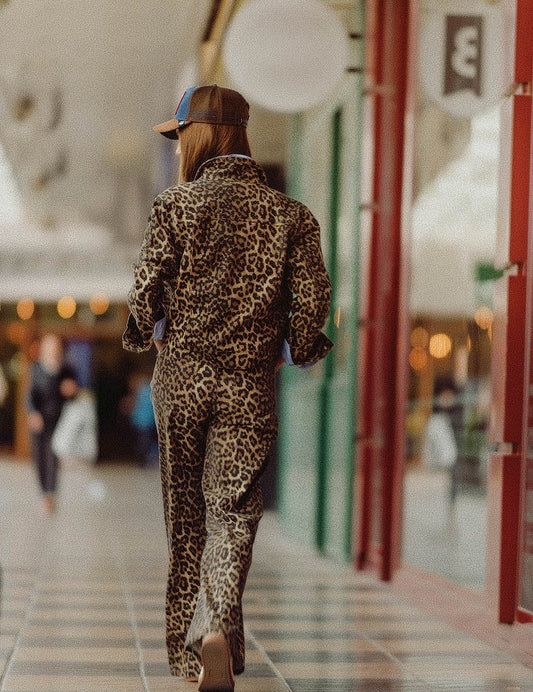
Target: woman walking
(235,269)
(45,402)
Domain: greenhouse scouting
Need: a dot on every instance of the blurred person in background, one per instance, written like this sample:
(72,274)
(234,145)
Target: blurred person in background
(234,268)
(442,438)
(143,421)
(45,402)
(75,437)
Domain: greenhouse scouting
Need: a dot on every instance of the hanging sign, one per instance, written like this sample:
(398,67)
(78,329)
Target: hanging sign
(462,54)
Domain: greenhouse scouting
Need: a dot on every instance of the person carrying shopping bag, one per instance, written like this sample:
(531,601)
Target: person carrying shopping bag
(231,272)
(45,402)
(75,437)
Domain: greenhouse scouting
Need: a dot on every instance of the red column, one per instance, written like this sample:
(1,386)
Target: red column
(510,335)
(384,383)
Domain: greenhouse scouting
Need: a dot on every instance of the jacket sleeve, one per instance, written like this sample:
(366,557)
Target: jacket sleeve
(157,264)
(310,288)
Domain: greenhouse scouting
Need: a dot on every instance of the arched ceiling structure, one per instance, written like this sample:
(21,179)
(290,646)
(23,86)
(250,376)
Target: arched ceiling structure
(81,84)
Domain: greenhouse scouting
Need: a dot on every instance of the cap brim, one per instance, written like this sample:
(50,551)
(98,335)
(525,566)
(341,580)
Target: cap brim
(168,129)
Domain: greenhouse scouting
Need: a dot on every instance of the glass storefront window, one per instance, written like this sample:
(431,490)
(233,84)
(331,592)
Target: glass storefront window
(454,238)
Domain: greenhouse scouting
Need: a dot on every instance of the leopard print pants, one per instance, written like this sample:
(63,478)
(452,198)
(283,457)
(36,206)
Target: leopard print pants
(216,428)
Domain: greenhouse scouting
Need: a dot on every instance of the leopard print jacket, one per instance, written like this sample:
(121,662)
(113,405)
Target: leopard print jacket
(235,267)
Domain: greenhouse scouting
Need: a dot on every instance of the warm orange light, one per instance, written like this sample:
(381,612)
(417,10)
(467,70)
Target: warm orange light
(419,337)
(25,308)
(418,358)
(99,303)
(440,345)
(469,343)
(66,307)
(15,332)
(484,317)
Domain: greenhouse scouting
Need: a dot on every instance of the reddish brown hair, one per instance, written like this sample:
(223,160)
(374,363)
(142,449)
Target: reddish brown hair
(201,141)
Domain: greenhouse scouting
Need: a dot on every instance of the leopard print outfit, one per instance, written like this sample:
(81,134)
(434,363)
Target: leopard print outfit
(235,267)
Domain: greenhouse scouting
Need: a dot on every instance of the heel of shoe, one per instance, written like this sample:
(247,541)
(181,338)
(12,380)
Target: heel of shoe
(217,668)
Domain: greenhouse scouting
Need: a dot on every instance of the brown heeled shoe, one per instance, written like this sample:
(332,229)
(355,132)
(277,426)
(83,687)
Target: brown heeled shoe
(217,665)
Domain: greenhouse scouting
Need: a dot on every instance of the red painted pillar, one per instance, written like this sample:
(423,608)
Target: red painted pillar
(384,397)
(509,345)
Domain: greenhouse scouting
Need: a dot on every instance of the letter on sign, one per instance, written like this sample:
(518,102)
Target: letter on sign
(463,53)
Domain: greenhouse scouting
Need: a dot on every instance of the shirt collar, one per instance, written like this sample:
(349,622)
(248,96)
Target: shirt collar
(231,166)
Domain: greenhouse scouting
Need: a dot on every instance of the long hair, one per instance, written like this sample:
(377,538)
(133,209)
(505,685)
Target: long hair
(201,141)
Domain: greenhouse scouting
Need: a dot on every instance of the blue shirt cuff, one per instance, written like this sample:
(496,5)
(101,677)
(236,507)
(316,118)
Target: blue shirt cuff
(287,356)
(286,353)
(159,329)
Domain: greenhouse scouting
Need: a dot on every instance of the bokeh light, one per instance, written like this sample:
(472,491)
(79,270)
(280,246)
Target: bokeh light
(25,308)
(440,345)
(99,303)
(66,307)
(418,359)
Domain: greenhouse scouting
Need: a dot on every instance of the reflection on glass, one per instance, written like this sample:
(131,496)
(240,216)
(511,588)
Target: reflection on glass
(454,232)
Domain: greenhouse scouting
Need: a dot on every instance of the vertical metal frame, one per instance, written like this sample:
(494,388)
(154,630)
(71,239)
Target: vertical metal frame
(325,387)
(364,554)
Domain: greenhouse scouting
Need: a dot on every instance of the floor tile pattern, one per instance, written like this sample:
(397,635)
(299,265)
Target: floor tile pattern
(82,599)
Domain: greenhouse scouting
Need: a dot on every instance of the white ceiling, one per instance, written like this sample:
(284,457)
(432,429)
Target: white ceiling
(116,68)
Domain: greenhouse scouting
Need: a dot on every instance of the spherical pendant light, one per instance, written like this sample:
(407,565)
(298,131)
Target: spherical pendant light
(286,55)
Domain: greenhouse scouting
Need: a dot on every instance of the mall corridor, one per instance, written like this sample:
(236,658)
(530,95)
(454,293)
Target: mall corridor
(82,605)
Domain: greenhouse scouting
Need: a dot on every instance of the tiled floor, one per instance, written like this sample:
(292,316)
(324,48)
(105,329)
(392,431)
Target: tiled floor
(82,606)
